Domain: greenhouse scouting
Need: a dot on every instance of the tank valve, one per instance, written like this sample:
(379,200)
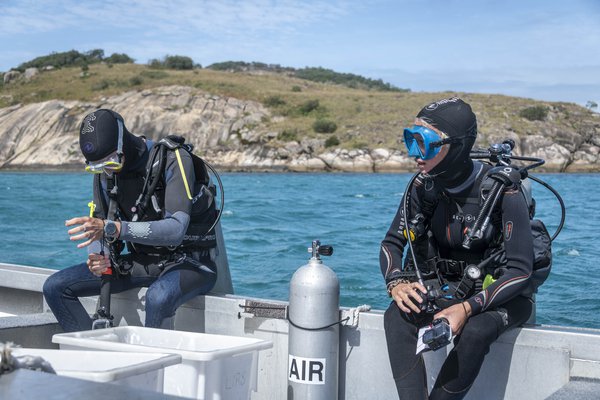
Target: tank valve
(318,249)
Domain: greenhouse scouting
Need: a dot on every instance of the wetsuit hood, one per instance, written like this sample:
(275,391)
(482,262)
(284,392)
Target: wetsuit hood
(455,118)
(99,137)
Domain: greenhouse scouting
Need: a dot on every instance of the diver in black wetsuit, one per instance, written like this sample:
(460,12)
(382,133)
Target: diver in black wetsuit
(447,196)
(169,243)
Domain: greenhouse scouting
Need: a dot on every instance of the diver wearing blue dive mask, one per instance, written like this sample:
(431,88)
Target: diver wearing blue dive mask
(436,212)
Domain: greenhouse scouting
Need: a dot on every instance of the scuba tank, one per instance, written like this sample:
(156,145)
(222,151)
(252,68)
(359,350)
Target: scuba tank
(314,331)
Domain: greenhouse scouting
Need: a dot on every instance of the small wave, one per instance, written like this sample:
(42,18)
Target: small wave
(573,253)
(359,196)
(227,213)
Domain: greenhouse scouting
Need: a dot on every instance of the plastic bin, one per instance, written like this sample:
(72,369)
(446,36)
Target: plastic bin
(4,314)
(214,367)
(137,370)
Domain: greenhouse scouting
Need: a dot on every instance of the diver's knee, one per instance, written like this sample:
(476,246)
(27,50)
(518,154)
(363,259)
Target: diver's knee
(52,285)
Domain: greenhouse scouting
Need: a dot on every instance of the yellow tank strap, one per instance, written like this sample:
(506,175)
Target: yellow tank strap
(185,182)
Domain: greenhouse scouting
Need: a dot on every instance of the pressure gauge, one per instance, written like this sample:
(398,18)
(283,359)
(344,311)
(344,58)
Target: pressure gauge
(473,272)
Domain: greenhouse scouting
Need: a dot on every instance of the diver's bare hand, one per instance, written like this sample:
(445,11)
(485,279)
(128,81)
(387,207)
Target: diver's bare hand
(457,315)
(98,263)
(407,297)
(89,229)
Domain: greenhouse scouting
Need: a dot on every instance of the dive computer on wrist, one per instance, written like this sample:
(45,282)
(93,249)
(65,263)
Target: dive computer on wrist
(110,231)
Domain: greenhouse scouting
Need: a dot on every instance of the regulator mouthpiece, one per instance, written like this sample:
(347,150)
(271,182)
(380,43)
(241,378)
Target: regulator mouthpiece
(320,250)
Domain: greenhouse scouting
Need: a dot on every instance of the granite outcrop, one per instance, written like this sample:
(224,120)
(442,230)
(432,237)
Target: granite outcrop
(233,135)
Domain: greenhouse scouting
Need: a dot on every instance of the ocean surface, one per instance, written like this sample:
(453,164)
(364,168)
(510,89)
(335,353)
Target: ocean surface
(269,221)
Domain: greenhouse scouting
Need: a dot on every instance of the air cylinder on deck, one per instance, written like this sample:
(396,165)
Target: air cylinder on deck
(314,330)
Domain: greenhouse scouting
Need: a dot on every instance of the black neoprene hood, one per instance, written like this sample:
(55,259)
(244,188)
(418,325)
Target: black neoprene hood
(99,137)
(99,134)
(455,118)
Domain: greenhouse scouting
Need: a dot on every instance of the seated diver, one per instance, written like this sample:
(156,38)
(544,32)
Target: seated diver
(443,204)
(166,252)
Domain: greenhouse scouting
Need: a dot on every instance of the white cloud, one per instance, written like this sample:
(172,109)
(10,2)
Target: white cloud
(175,17)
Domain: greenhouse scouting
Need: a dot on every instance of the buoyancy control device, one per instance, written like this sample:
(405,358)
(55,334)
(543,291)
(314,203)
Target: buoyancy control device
(205,215)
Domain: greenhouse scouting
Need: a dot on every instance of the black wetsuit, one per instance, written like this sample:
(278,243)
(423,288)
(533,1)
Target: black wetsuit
(502,304)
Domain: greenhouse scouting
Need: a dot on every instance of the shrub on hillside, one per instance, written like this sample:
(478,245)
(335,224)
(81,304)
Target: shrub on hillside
(308,106)
(135,80)
(332,141)
(534,113)
(172,62)
(179,62)
(274,101)
(296,88)
(288,135)
(324,126)
(155,63)
(118,58)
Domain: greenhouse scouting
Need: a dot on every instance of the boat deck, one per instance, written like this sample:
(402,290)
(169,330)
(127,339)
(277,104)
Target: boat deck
(533,362)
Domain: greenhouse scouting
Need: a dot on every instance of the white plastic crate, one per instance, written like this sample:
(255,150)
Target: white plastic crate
(138,370)
(214,367)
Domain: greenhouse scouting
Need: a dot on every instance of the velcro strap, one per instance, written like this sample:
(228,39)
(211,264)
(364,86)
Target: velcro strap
(454,267)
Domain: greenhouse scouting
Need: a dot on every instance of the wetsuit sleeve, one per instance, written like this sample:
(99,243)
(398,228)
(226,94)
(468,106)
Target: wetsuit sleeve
(518,243)
(169,231)
(392,246)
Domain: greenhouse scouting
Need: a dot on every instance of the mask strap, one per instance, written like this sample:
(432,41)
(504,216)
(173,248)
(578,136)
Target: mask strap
(120,140)
(448,140)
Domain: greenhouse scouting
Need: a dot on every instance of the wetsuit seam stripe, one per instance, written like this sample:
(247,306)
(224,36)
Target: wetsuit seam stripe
(507,284)
(388,258)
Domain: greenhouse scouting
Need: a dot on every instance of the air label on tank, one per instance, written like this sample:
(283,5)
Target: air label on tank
(310,371)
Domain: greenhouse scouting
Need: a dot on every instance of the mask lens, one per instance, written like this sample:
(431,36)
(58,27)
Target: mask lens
(108,165)
(419,140)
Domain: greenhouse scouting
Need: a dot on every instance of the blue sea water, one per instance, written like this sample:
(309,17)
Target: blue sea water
(270,219)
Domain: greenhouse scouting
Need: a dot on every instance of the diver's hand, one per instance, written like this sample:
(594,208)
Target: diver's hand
(89,229)
(407,297)
(98,263)
(456,315)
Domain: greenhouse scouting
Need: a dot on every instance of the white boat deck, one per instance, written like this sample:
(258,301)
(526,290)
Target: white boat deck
(533,362)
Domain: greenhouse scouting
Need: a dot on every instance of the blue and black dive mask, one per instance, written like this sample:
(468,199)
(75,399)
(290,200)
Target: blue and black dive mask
(422,142)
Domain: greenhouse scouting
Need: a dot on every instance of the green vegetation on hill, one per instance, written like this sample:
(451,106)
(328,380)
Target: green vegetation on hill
(74,58)
(342,116)
(173,62)
(242,66)
(317,74)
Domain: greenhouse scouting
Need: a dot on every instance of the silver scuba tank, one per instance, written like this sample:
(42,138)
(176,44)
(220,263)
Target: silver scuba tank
(313,316)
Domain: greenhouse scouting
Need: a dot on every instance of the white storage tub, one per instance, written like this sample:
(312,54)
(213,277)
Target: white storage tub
(137,370)
(3,314)
(214,367)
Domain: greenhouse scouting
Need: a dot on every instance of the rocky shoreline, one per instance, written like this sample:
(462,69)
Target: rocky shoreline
(230,134)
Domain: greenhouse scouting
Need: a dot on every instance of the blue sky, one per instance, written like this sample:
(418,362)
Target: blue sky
(542,49)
